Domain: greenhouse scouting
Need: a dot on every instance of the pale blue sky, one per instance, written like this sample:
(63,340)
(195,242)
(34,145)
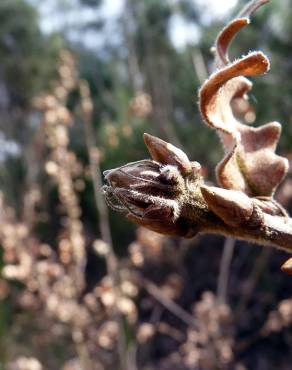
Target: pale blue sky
(180,31)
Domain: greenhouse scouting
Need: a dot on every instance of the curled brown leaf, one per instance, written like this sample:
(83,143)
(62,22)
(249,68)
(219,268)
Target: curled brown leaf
(250,164)
(225,38)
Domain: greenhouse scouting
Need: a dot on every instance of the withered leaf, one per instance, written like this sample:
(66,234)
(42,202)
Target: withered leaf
(250,164)
(224,40)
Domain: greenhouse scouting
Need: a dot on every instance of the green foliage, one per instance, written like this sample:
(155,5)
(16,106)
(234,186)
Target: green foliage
(91,3)
(26,55)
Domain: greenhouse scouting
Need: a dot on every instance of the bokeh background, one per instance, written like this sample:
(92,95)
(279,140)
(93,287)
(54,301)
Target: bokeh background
(81,288)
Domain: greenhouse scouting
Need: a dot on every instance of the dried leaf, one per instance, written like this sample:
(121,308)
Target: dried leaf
(250,164)
(225,38)
(218,91)
(228,33)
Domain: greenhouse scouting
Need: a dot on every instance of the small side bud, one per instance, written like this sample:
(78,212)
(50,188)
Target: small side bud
(287,266)
(166,153)
(233,207)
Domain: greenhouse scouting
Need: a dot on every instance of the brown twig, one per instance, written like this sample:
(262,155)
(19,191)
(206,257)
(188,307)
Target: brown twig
(169,304)
(225,262)
(256,273)
(93,155)
(199,65)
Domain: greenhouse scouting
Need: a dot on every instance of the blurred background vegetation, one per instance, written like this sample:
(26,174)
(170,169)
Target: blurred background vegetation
(144,61)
